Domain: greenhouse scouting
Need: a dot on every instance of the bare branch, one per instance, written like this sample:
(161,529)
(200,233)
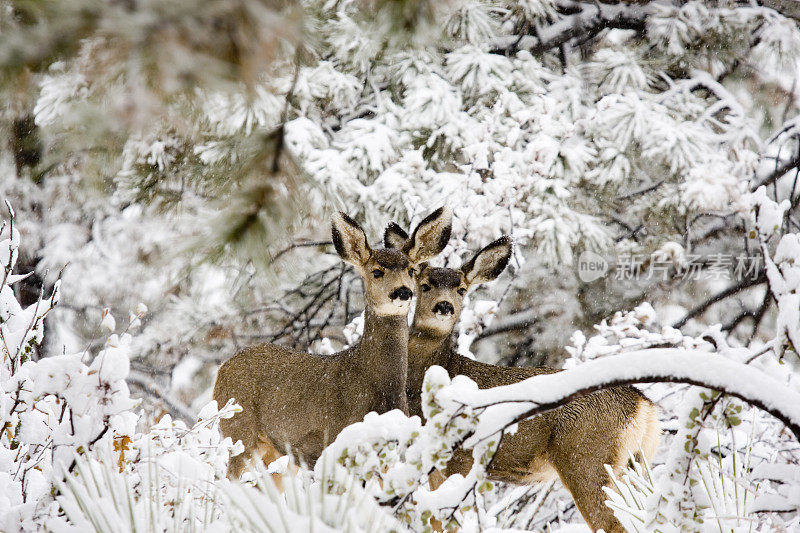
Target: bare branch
(519,321)
(587,22)
(175,407)
(300,244)
(779,172)
(730,291)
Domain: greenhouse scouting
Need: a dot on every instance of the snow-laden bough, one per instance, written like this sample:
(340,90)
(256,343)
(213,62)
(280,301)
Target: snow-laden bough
(512,403)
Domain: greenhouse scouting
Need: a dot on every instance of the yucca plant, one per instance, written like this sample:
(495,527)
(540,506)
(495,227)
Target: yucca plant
(722,483)
(306,503)
(95,496)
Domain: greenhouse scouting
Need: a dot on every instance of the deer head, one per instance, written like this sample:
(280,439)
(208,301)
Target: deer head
(388,273)
(441,291)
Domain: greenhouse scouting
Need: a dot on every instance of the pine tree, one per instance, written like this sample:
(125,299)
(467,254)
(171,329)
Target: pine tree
(187,154)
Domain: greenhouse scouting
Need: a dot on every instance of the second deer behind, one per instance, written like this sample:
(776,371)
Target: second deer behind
(301,401)
(573,442)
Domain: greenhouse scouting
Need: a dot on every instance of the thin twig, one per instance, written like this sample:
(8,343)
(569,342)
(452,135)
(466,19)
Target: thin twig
(175,407)
(779,171)
(734,289)
(300,244)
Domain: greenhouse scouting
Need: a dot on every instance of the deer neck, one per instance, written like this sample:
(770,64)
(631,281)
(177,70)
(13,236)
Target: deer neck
(425,350)
(382,353)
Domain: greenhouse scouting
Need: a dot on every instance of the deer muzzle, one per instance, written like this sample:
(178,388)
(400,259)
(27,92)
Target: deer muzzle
(443,308)
(403,293)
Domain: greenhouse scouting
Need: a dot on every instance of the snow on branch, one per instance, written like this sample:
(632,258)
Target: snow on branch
(782,270)
(513,403)
(703,80)
(587,22)
(783,148)
(780,170)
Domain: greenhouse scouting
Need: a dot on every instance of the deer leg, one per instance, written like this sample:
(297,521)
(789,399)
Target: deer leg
(235,466)
(240,428)
(435,480)
(267,453)
(586,483)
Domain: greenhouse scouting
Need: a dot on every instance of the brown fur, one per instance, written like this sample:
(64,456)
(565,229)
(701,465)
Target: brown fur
(444,278)
(297,400)
(572,442)
(301,401)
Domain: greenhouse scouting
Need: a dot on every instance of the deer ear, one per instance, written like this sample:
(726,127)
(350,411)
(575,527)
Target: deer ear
(430,236)
(489,263)
(349,240)
(394,236)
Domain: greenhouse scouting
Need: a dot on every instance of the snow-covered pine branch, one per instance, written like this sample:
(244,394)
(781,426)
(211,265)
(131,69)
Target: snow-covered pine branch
(587,20)
(513,403)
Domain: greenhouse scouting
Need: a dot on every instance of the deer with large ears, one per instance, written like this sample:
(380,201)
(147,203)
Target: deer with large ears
(300,401)
(572,442)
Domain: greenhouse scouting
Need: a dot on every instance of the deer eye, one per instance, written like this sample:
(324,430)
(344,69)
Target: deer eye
(425,287)
(377,273)
(462,291)
(411,272)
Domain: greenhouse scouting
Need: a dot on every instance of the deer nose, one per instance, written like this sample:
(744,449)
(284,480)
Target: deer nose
(443,308)
(404,293)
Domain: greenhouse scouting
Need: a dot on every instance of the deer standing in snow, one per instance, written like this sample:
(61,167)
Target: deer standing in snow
(301,401)
(572,442)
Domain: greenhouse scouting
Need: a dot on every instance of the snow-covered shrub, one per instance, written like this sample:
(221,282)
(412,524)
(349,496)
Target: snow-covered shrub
(162,480)
(729,466)
(71,458)
(52,407)
(306,504)
(175,481)
(395,455)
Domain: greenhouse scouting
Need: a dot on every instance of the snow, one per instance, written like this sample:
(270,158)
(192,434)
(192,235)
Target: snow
(668,364)
(108,321)
(233,113)
(474,319)
(639,141)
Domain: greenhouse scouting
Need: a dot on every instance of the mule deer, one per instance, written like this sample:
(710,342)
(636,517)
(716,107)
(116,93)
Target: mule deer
(572,442)
(301,401)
